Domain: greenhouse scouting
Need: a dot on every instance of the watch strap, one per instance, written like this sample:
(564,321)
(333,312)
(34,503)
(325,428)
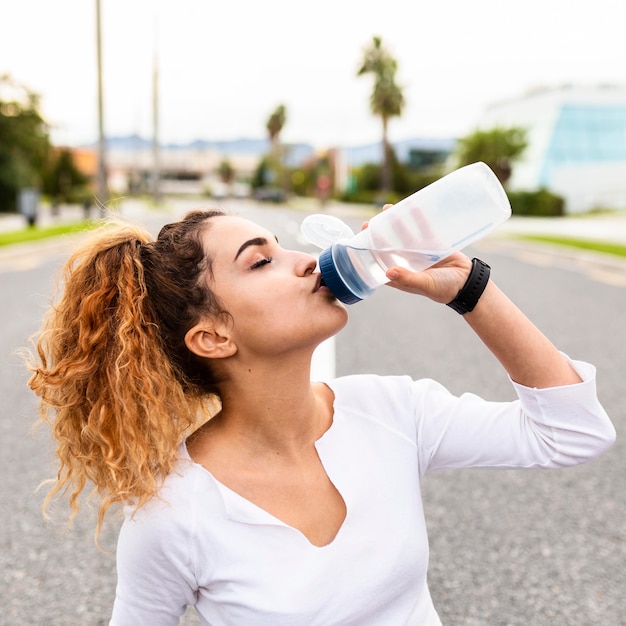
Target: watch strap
(470,293)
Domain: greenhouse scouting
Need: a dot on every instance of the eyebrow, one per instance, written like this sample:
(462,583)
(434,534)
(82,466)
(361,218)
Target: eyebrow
(256,241)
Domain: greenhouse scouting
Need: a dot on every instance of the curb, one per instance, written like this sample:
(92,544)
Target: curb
(606,268)
(578,256)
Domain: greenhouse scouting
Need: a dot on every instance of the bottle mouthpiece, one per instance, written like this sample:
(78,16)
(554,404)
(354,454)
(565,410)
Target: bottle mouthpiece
(324,230)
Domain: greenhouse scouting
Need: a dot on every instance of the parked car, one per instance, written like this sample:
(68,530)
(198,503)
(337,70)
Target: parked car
(270,194)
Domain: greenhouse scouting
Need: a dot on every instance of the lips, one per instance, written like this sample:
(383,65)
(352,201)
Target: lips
(319,283)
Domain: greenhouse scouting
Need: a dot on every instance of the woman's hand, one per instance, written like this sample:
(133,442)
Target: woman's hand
(440,282)
(526,354)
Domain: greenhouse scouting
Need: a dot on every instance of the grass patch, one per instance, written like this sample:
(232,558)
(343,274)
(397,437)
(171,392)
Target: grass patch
(584,244)
(36,233)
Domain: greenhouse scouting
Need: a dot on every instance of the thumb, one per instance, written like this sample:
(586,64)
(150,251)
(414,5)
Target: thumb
(405,279)
(393,273)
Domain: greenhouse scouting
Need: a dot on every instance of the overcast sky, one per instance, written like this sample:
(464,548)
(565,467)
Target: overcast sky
(224,66)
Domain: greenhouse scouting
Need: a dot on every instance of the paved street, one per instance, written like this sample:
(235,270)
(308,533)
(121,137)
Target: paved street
(508,548)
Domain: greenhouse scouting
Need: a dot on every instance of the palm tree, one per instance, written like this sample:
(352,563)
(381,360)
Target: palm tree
(274,126)
(273,172)
(387,98)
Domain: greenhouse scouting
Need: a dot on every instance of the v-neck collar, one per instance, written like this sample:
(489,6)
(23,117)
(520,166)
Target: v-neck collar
(239,509)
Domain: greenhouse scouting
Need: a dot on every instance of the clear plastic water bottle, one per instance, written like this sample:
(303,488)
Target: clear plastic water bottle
(415,233)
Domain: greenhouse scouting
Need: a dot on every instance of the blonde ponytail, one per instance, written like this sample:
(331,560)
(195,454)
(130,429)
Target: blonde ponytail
(113,394)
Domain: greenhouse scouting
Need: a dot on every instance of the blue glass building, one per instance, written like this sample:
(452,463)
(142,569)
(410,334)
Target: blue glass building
(577,143)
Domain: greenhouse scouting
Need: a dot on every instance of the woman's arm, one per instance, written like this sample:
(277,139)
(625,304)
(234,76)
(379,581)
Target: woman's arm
(155,579)
(524,351)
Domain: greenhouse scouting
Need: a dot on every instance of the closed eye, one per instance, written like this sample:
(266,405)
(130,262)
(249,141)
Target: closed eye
(261,263)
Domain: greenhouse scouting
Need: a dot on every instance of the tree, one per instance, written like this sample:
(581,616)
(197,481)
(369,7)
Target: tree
(24,141)
(499,148)
(387,98)
(226,171)
(274,172)
(274,127)
(62,180)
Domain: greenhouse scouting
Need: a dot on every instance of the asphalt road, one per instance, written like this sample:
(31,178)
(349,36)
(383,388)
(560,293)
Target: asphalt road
(507,547)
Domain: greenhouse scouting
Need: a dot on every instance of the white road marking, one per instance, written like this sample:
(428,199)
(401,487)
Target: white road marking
(323,363)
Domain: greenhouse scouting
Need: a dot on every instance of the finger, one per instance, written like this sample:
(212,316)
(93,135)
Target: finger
(385,207)
(406,280)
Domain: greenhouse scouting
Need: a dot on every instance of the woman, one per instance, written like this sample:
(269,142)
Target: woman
(296,503)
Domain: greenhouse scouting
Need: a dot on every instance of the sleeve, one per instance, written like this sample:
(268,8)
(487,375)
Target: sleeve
(543,428)
(155,580)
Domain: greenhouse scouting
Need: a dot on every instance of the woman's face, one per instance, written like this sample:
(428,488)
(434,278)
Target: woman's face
(273,295)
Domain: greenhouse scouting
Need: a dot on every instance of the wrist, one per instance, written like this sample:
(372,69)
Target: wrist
(468,296)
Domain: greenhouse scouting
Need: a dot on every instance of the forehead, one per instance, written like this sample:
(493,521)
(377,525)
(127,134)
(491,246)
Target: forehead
(228,232)
(231,227)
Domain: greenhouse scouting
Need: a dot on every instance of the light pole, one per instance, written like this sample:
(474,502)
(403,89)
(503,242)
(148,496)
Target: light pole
(156,166)
(102,187)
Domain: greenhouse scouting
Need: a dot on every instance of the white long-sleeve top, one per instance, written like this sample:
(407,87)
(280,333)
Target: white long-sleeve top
(201,543)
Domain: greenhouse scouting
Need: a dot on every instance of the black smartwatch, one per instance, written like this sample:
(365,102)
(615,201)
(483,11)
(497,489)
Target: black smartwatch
(470,293)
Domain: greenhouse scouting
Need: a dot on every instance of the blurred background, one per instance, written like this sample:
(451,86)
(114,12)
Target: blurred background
(273,109)
(351,100)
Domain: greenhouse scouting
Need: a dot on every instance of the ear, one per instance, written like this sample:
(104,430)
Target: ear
(210,340)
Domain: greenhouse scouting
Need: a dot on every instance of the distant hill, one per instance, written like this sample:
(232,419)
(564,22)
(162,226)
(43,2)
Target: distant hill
(230,146)
(297,153)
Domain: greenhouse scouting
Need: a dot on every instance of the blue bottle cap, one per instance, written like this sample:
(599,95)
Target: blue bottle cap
(333,280)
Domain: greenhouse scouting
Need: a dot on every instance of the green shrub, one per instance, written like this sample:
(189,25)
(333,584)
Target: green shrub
(540,203)
(366,188)
(375,198)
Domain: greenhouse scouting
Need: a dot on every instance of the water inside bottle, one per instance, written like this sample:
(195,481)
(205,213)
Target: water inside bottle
(415,260)
(369,266)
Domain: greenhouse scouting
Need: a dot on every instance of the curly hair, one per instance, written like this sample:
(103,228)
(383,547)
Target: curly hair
(118,386)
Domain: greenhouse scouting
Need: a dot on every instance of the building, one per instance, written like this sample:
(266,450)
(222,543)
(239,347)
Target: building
(191,168)
(577,143)
(419,153)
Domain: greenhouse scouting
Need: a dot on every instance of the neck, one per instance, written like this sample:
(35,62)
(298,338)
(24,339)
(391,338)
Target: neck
(274,408)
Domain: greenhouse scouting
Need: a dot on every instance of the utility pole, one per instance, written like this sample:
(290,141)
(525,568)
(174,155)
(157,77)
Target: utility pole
(156,169)
(102,187)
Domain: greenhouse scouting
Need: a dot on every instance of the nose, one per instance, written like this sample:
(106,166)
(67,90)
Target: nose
(306,263)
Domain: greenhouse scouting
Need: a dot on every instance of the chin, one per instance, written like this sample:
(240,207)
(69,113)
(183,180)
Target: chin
(342,321)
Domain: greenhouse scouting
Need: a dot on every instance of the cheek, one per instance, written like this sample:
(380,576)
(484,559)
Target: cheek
(255,310)
(242,298)
(262,296)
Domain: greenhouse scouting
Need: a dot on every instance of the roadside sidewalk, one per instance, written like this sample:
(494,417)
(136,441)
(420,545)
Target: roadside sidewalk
(610,227)
(67,213)
(603,227)
(22,252)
